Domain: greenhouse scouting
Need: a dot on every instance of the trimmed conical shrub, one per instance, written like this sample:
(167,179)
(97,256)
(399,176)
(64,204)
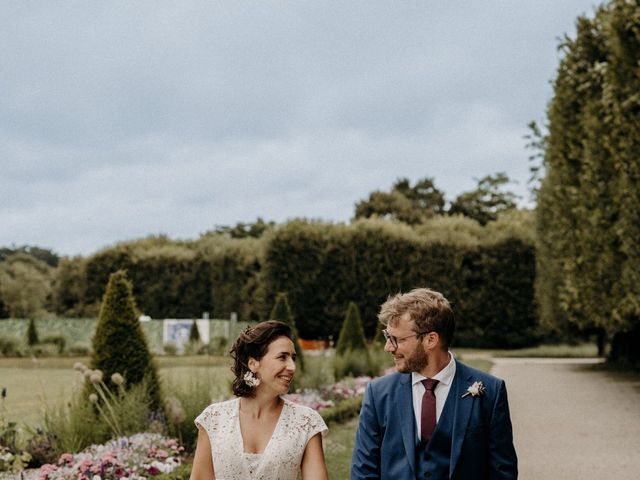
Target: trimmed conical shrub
(351,334)
(378,339)
(281,311)
(32,333)
(119,344)
(194,333)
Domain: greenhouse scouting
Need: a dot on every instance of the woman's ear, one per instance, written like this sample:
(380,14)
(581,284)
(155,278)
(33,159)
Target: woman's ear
(253,364)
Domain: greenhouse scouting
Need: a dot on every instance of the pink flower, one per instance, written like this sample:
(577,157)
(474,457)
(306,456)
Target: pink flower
(161,454)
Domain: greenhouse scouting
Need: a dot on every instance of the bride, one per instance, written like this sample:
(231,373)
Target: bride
(258,434)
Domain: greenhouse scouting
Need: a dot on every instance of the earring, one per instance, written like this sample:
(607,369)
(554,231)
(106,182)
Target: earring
(250,379)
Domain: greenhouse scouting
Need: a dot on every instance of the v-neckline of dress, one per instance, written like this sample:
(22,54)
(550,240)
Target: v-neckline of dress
(273,434)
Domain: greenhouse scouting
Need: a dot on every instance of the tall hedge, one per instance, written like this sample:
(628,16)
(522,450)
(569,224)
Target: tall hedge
(282,312)
(589,200)
(323,267)
(119,344)
(170,280)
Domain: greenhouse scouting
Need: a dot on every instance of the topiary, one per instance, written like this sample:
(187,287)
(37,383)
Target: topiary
(194,333)
(281,311)
(351,334)
(32,333)
(119,344)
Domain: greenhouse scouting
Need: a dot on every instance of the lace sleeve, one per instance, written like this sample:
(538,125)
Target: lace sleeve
(315,424)
(206,419)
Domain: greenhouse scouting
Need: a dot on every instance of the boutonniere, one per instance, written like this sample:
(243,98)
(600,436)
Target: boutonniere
(475,390)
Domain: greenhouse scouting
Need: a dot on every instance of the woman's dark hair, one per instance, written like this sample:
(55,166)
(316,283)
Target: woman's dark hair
(254,343)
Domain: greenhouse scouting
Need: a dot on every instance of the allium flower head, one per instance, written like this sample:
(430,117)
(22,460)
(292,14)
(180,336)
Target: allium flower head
(117,379)
(79,367)
(93,398)
(96,376)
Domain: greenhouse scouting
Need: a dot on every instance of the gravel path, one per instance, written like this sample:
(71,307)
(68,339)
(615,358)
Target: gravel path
(571,420)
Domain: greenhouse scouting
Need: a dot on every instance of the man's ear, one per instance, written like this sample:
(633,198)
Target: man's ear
(433,340)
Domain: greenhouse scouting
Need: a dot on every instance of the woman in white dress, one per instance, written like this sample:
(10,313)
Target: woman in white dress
(258,434)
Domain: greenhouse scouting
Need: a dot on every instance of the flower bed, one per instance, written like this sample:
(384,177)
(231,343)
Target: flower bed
(137,457)
(331,396)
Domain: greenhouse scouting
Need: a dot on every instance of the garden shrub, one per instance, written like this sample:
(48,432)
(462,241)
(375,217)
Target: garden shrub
(170,348)
(32,333)
(318,373)
(10,346)
(58,340)
(194,333)
(352,363)
(351,334)
(79,349)
(119,344)
(342,412)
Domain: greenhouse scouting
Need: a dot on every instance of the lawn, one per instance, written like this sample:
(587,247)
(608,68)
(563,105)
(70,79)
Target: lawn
(33,384)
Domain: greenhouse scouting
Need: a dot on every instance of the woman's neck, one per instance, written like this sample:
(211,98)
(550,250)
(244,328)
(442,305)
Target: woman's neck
(260,405)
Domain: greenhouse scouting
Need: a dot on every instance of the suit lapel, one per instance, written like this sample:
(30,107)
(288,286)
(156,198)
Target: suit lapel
(462,412)
(406,420)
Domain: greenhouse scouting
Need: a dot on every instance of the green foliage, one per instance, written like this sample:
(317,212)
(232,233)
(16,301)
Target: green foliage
(32,333)
(43,254)
(404,203)
(353,363)
(324,267)
(171,279)
(194,333)
(59,341)
(184,402)
(343,411)
(25,285)
(588,217)
(351,334)
(234,266)
(119,345)
(318,373)
(244,230)
(9,346)
(487,201)
(69,287)
(282,312)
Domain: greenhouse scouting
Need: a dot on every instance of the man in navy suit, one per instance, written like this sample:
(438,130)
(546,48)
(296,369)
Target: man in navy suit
(435,417)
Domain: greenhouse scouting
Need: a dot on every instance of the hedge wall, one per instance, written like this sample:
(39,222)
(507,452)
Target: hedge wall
(324,267)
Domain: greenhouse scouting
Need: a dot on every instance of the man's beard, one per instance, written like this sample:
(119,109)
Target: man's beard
(417,361)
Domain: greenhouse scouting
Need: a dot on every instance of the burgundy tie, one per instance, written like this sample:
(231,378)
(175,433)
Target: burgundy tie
(428,413)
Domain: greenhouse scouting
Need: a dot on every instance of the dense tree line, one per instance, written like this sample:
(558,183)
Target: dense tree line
(589,199)
(485,270)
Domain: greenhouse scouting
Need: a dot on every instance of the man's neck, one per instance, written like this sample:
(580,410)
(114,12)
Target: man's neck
(437,361)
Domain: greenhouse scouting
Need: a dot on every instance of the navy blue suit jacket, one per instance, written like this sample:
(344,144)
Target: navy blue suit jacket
(481,437)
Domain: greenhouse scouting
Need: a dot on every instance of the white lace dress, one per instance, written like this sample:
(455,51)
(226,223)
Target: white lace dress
(282,456)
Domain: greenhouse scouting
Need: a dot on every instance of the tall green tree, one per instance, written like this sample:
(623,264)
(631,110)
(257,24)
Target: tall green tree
(25,285)
(411,204)
(119,344)
(588,221)
(282,312)
(486,201)
(352,334)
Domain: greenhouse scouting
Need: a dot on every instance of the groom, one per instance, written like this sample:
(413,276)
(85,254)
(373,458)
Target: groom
(435,418)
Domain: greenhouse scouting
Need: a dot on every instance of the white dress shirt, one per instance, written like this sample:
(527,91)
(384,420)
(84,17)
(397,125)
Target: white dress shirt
(444,377)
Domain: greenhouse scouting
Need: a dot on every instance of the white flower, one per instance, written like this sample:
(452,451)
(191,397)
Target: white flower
(476,389)
(96,376)
(117,379)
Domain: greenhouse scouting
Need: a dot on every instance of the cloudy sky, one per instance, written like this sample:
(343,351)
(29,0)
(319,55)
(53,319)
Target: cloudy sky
(124,119)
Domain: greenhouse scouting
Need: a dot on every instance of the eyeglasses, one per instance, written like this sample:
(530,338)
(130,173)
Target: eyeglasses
(394,340)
